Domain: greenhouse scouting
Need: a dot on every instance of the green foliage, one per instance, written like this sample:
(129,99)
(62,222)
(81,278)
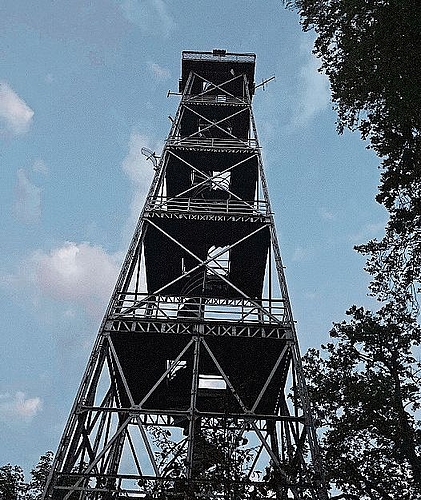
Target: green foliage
(221,462)
(39,476)
(366,394)
(12,480)
(370,50)
(365,383)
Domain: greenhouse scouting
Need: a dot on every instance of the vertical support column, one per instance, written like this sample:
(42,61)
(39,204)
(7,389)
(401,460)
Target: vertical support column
(193,430)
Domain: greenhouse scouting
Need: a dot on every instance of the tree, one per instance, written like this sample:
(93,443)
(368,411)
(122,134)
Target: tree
(365,383)
(221,462)
(366,392)
(370,50)
(39,476)
(11,482)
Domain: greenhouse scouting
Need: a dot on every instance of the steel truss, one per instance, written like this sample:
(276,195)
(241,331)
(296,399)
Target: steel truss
(194,388)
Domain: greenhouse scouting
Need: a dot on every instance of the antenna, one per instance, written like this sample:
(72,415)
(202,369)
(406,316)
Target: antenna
(264,82)
(150,155)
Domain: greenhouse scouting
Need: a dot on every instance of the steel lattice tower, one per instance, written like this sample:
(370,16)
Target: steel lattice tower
(194,388)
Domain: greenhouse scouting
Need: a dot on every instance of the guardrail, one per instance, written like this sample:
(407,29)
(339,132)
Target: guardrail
(215,99)
(218,56)
(230,206)
(200,309)
(212,142)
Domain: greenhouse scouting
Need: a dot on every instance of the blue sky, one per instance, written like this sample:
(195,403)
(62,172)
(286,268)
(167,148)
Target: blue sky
(83,87)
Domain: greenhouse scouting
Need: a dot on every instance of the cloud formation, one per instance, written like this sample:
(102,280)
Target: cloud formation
(326,214)
(300,254)
(40,167)
(161,74)
(27,199)
(15,114)
(79,273)
(368,232)
(151,16)
(19,406)
(313,90)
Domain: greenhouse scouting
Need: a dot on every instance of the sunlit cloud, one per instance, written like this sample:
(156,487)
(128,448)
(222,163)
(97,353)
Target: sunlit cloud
(151,16)
(81,274)
(27,199)
(40,167)
(326,214)
(15,114)
(313,90)
(160,73)
(367,232)
(19,406)
(300,254)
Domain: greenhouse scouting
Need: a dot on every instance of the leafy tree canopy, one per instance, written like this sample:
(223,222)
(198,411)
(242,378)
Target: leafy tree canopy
(39,476)
(365,384)
(365,388)
(12,480)
(370,50)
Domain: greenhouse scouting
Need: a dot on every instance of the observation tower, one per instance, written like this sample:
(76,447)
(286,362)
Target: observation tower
(194,388)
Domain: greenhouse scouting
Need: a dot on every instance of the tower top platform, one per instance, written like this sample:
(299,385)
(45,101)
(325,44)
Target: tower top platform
(219,65)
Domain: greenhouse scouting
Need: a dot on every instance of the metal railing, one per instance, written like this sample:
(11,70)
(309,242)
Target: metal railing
(215,99)
(132,305)
(212,142)
(226,207)
(218,56)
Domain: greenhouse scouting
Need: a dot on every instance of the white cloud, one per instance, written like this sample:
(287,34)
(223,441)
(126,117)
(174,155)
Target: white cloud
(313,90)
(78,273)
(40,167)
(15,114)
(140,171)
(326,214)
(311,295)
(300,254)
(78,276)
(27,199)
(368,232)
(151,16)
(19,406)
(160,73)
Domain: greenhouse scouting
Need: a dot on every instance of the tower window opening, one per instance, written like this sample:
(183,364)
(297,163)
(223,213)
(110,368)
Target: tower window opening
(220,264)
(175,367)
(213,382)
(197,177)
(221,180)
(206,86)
(227,125)
(204,128)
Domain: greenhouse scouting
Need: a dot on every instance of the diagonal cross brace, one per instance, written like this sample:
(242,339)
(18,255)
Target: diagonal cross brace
(213,271)
(209,177)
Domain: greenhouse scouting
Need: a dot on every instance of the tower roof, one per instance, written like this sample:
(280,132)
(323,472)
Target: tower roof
(218,65)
